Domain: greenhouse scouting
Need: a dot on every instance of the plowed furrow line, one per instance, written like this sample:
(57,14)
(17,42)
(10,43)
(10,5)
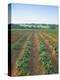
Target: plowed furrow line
(18,55)
(52,52)
(35,65)
(50,37)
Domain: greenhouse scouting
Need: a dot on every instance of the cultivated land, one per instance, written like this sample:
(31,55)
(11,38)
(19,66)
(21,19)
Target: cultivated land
(34,51)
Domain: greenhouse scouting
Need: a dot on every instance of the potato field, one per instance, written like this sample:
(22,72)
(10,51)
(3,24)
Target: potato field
(34,51)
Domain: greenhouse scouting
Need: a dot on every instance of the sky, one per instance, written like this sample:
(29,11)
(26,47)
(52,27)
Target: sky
(27,13)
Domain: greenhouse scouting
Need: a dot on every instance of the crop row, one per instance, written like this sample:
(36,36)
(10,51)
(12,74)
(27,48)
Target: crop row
(17,50)
(19,41)
(45,58)
(15,36)
(48,53)
(23,64)
(52,41)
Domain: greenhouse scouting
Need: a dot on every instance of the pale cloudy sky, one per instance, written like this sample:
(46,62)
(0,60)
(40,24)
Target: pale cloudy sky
(26,13)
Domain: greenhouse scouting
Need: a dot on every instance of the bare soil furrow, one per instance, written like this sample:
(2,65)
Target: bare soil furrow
(50,37)
(18,54)
(36,67)
(52,52)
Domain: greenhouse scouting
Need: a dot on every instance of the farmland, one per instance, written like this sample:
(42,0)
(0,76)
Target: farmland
(34,50)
